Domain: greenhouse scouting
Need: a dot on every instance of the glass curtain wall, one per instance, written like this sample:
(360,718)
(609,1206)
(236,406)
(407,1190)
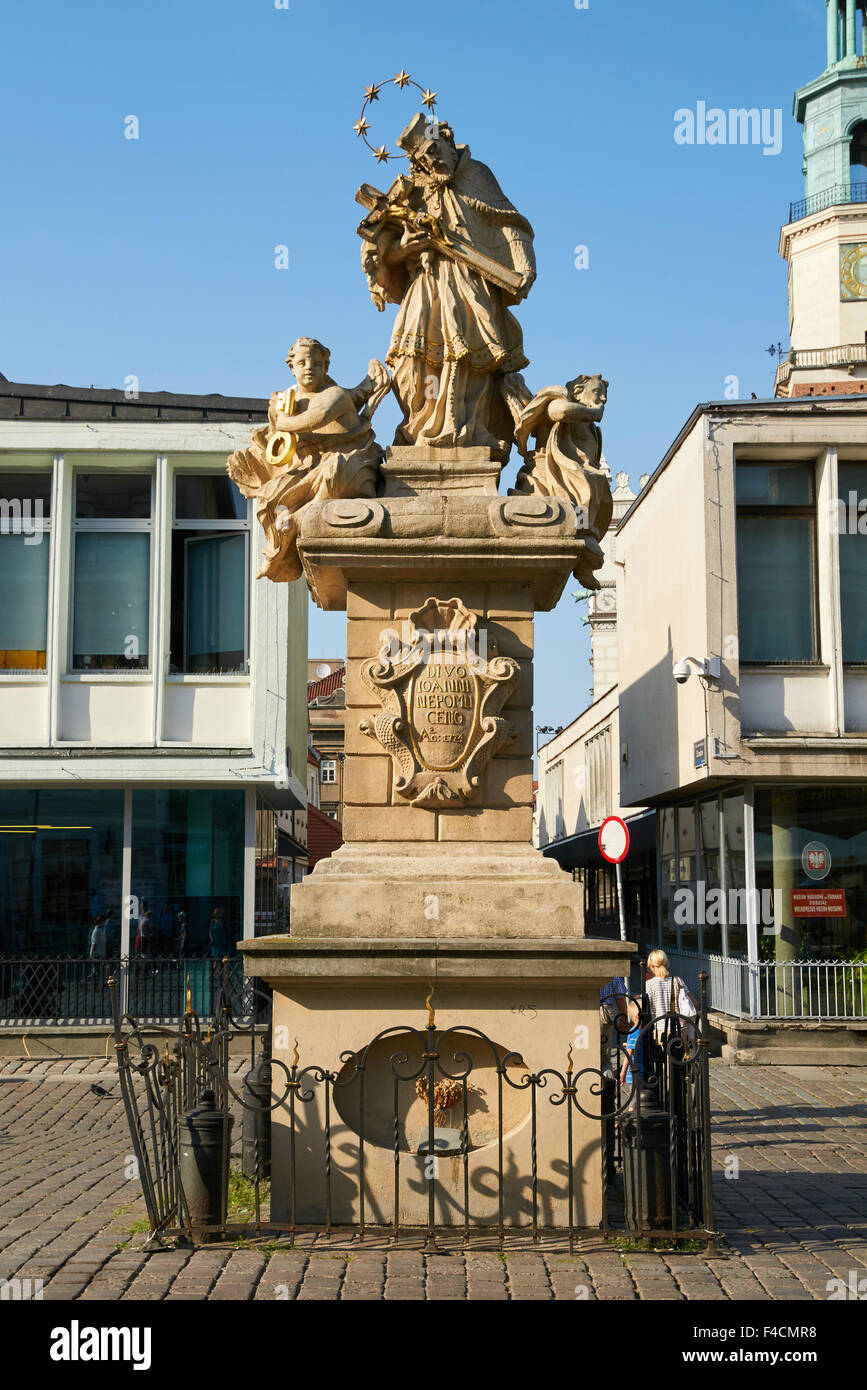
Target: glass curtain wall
(61,856)
(187,871)
(702,875)
(811,855)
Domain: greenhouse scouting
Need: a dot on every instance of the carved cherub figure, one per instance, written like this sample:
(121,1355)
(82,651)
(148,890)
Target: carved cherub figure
(566,460)
(332,451)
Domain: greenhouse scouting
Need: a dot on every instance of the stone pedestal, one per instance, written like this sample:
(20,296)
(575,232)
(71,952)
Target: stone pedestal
(530,996)
(437,881)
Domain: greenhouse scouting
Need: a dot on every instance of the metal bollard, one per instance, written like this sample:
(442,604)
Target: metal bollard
(205,1140)
(646,1174)
(256,1121)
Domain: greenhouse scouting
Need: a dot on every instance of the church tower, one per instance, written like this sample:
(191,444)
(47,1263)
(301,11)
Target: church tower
(825,239)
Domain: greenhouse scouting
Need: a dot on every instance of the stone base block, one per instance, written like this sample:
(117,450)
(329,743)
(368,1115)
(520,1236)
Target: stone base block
(519,1005)
(783,1043)
(464,889)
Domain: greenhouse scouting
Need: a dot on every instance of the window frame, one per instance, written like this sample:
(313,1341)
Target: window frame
(12,461)
(111,526)
(770,511)
(854,666)
(226,526)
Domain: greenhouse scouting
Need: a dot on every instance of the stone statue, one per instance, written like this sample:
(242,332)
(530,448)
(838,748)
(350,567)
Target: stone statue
(448,247)
(318,444)
(567,458)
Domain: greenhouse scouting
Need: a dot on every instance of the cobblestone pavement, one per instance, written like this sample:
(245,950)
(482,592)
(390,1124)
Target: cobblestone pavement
(794,1216)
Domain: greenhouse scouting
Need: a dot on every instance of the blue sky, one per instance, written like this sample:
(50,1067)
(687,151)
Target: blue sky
(155,257)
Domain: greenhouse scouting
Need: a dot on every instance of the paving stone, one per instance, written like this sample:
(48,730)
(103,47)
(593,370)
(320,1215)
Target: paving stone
(795,1218)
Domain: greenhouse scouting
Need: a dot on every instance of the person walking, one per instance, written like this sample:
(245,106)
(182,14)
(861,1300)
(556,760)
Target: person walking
(96,948)
(145,934)
(218,933)
(659,991)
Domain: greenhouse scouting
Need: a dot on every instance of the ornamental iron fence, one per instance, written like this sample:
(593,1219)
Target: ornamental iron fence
(67,991)
(647,1102)
(815,991)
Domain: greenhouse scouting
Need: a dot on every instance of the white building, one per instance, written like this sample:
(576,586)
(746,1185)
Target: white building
(152,693)
(740,711)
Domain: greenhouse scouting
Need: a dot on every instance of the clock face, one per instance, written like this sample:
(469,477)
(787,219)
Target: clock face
(606,600)
(853,271)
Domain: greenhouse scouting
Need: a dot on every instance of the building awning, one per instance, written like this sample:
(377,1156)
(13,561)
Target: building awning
(575,850)
(289,847)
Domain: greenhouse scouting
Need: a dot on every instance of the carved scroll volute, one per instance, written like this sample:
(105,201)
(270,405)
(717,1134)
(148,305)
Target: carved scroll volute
(441,689)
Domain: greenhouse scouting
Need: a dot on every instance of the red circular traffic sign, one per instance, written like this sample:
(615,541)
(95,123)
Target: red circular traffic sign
(614,840)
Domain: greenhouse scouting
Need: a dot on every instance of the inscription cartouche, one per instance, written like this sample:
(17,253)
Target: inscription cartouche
(441,700)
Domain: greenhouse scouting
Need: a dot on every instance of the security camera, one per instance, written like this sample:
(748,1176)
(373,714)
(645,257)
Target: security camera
(709,669)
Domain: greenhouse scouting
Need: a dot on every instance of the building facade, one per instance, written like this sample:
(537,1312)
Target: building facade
(152,694)
(326,703)
(747,658)
(740,712)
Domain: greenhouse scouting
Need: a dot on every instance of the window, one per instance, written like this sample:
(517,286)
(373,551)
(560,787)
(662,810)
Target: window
(735,873)
(55,880)
(776,549)
(554,825)
(597,764)
(328,770)
(709,827)
(188,856)
(25,511)
(112,565)
(210,572)
(687,878)
(853,561)
(667,874)
(788,819)
(858,157)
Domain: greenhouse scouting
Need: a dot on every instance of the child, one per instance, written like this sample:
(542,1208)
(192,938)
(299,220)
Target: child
(633,1062)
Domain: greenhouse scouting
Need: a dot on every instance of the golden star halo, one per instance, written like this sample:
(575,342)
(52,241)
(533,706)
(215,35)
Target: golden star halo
(371,93)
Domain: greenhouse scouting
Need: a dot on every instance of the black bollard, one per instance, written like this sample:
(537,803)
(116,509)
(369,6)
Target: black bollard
(205,1140)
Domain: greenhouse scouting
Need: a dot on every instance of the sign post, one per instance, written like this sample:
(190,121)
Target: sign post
(614,847)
